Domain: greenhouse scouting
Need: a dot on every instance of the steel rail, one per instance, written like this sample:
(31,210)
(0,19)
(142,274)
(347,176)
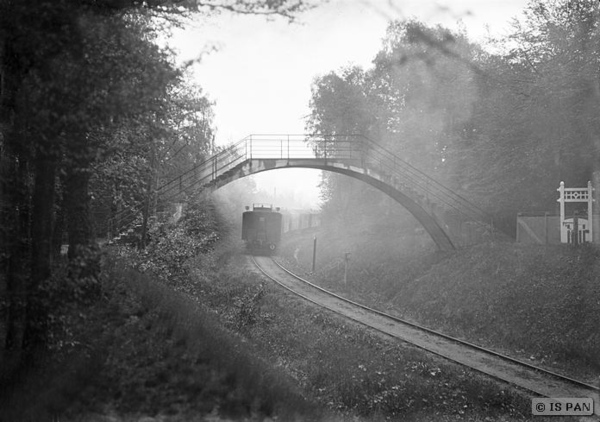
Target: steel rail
(470,345)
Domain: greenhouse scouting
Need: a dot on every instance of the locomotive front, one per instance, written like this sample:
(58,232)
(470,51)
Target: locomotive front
(261,228)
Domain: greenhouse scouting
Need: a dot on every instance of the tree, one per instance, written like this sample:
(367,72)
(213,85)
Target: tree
(83,84)
(501,129)
(558,42)
(426,81)
(340,106)
(417,101)
(536,119)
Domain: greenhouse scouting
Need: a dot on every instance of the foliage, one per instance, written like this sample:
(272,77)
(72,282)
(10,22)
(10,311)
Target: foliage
(189,354)
(173,247)
(64,301)
(79,78)
(502,129)
(415,101)
(93,114)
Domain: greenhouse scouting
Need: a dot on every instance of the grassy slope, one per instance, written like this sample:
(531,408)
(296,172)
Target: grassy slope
(155,352)
(349,369)
(538,302)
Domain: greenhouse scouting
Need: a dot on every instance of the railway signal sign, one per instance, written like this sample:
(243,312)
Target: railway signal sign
(576,230)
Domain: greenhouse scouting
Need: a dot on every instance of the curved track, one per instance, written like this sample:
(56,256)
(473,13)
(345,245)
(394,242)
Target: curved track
(537,380)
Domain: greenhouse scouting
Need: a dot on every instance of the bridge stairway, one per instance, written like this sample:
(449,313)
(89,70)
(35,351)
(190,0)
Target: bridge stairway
(210,172)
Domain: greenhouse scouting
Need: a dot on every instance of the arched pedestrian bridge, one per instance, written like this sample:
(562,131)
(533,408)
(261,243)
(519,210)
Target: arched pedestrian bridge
(449,219)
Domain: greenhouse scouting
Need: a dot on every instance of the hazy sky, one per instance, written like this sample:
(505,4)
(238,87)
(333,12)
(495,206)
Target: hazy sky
(260,75)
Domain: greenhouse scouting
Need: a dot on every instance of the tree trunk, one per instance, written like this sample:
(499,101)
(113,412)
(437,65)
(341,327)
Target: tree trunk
(14,208)
(36,327)
(16,245)
(41,224)
(58,231)
(77,204)
(84,259)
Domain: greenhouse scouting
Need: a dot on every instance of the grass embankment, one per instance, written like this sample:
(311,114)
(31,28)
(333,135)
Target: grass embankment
(350,369)
(537,302)
(147,350)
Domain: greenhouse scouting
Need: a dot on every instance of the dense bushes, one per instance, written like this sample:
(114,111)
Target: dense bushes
(172,247)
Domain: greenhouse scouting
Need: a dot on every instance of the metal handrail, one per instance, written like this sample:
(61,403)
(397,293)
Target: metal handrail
(354,148)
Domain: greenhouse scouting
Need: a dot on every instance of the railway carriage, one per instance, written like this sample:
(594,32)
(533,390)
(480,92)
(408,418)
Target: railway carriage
(261,228)
(299,221)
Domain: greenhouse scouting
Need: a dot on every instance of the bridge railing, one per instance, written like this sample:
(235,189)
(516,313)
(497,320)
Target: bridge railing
(352,149)
(277,147)
(434,191)
(260,146)
(189,181)
(301,146)
(367,154)
(467,223)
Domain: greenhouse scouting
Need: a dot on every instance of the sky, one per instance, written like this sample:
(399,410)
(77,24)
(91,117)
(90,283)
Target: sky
(259,72)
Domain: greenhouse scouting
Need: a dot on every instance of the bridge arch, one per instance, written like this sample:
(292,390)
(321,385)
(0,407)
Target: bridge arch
(433,227)
(443,213)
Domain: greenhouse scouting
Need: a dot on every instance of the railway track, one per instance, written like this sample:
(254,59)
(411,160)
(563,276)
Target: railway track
(523,375)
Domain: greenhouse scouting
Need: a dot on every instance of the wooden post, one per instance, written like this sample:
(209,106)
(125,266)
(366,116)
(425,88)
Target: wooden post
(561,200)
(346,259)
(595,234)
(575,233)
(590,210)
(314,254)
(576,195)
(545,228)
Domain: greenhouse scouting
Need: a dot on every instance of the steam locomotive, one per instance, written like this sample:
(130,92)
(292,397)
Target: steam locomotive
(261,228)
